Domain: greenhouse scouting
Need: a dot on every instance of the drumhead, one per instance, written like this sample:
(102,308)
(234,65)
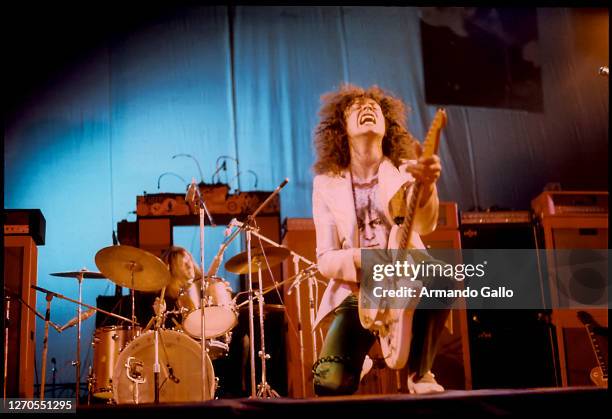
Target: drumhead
(133,379)
(219,320)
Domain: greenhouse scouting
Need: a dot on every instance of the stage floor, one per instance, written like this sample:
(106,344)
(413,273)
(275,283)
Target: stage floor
(549,401)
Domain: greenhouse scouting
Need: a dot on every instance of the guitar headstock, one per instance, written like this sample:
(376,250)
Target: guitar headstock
(585,318)
(432,139)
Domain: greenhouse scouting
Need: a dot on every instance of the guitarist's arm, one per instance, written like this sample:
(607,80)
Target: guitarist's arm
(332,260)
(427,171)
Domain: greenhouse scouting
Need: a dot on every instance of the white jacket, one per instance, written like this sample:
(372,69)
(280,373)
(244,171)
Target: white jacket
(337,233)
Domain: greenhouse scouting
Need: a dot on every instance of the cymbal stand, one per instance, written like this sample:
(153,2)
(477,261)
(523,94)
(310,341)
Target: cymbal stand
(263,389)
(309,275)
(298,301)
(251,321)
(312,282)
(133,298)
(77,362)
(247,229)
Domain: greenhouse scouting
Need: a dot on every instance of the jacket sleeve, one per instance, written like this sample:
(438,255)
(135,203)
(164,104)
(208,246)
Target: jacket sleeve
(333,261)
(426,218)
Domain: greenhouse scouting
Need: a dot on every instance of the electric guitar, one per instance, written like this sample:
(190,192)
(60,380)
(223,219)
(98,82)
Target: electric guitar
(599,374)
(393,325)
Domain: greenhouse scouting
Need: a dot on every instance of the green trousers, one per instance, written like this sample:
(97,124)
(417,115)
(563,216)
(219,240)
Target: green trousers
(338,369)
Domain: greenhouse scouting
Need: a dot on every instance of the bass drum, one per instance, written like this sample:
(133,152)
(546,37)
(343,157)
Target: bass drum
(133,379)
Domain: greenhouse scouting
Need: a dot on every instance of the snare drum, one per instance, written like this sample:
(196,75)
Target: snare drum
(219,348)
(220,309)
(108,342)
(180,377)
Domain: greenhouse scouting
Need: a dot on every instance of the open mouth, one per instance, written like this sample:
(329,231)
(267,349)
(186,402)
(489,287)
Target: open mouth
(366,118)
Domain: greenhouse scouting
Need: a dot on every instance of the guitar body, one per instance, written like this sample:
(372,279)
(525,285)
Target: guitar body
(599,374)
(393,326)
(598,378)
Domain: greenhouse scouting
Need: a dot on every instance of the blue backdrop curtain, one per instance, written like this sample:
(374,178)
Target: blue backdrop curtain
(245,82)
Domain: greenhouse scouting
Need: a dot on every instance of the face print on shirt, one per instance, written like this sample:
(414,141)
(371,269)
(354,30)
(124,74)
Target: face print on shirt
(373,228)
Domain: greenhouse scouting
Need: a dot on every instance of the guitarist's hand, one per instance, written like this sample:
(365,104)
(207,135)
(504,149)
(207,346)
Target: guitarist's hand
(427,170)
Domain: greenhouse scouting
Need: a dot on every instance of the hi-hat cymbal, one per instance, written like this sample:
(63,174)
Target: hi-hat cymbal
(83,273)
(239,264)
(133,268)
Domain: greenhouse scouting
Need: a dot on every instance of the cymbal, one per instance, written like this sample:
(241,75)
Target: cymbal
(239,264)
(133,268)
(84,273)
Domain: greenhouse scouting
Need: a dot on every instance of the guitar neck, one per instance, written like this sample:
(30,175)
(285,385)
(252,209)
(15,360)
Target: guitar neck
(430,147)
(596,349)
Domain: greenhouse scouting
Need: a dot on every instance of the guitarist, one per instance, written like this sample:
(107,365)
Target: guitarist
(364,154)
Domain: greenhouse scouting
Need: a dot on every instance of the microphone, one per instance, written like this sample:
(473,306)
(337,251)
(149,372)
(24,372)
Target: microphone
(192,191)
(228,230)
(84,316)
(282,185)
(604,71)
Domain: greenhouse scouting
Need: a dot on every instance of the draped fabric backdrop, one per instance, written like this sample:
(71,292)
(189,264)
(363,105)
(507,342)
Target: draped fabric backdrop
(245,82)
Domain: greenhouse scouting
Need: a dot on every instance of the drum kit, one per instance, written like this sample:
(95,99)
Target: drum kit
(154,364)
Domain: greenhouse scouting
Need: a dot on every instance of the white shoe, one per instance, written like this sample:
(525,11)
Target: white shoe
(426,385)
(366,367)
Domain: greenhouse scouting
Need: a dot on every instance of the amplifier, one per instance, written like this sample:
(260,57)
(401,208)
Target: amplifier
(447,216)
(217,199)
(25,222)
(495,217)
(570,203)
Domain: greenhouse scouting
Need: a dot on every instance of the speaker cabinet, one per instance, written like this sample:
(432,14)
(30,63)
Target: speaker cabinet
(452,362)
(574,233)
(509,348)
(20,270)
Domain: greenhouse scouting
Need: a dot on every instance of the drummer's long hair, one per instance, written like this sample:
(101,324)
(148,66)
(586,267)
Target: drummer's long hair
(175,251)
(331,139)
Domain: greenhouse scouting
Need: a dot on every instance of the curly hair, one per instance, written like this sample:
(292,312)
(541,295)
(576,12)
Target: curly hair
(331,138)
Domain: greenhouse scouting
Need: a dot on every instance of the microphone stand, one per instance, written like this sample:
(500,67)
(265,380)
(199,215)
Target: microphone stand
(202,209)
(43,372)
(47,319)
(7,321)
(79,304)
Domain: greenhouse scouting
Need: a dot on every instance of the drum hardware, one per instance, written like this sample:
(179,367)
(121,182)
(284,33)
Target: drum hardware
(192,197)
(306,274)
(46,318)
(79,275)
(133,268)
(79,304)
(237,265)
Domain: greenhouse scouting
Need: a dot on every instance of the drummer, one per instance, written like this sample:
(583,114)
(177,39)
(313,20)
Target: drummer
(183,272)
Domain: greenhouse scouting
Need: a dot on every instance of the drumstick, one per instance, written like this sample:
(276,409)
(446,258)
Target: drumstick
(162,294)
